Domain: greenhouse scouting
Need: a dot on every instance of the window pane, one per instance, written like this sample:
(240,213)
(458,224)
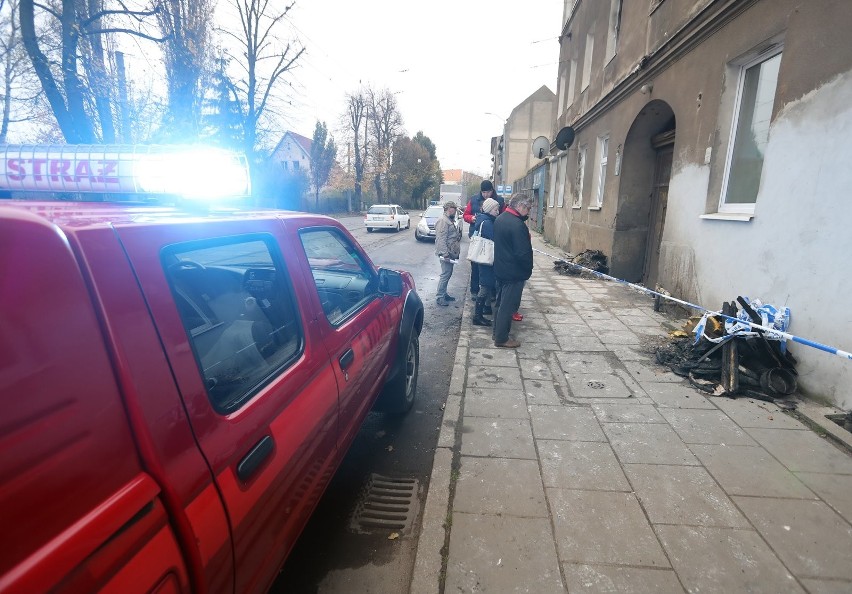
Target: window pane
(560,193)
(238,312)
(752,132)
(344,281)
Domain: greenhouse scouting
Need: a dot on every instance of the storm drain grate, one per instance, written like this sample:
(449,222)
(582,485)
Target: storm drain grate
(389,505)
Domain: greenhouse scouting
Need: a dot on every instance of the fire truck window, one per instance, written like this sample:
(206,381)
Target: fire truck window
(344,281)
(236,305)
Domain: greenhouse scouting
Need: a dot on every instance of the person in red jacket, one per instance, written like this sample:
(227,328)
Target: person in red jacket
(474,207)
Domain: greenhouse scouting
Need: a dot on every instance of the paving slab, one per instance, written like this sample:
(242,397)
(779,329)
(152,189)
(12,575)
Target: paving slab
(835,490)
(597,385)
(495,402)
(697,426)
(535,350)
(603,527)
(803,451)
(536,370)
(540,392)
(581,363)
(675,395)
(648,443)
(492,357)
(565,330)
(606,579)
(497,438)
(609,337)
(494,377)
(643,371)
(755,413)
(828,586)
(500,486)
(502,554)
(565,422)
(584,465)
(631,353)
(725,560)
(580,343)
(811,539)
(620,412)
(566,316)
(683,495)
(745,470)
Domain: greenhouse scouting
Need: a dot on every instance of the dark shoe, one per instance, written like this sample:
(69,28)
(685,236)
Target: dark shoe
(480,321)
(487,310)
(442,301)
(517,317)
(449,298)
(509,344)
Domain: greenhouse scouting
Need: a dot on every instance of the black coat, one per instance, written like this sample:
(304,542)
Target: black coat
(513,255)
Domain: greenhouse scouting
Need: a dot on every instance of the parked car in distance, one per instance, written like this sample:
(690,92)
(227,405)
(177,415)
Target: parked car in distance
(425,228)
(386,216)
(179,385)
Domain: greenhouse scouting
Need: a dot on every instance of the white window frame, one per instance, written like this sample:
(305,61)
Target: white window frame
(551,197)
(572,83)
(613,30)
(562,76)
(588,54)
(561,172)
(742,207)
(581,175)
(603,159)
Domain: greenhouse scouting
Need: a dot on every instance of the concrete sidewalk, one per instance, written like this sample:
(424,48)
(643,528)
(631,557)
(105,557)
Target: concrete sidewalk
(575,463)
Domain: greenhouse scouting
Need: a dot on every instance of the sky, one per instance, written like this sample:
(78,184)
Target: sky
(451,63)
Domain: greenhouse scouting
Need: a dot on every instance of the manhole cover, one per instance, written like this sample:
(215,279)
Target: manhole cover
(389,504)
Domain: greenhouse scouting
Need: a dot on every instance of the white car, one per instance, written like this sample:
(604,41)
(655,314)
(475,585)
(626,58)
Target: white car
(387,216)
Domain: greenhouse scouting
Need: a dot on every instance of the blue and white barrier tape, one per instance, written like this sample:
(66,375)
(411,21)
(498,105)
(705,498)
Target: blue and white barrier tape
(640,288)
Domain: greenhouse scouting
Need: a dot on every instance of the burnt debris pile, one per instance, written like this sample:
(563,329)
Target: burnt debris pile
(587,259)
(729,356)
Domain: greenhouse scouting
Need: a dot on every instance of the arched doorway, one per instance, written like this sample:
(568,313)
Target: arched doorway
(643,192)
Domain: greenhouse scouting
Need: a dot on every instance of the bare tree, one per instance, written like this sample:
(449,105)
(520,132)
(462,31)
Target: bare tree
(74,81)
(355,124)
(263,59)
(385,123)
(19,100)
(186,27)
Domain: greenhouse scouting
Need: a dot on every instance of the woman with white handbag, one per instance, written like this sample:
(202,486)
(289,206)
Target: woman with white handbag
(481,251)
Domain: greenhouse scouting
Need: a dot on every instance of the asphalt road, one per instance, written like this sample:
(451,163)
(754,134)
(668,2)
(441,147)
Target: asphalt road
(332,555)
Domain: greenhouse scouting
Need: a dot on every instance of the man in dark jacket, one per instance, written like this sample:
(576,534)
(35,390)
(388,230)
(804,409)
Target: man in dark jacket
(474,207)
(513,265)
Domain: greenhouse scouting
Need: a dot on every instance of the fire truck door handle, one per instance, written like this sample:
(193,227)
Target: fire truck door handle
(346,359)
(252,461)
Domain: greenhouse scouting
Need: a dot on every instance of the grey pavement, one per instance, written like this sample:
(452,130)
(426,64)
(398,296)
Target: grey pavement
(577,464)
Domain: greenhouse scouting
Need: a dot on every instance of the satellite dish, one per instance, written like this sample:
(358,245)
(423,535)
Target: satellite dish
(540,146)
(565,138)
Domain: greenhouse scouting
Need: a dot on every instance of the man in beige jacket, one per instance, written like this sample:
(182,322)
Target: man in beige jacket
(447,248)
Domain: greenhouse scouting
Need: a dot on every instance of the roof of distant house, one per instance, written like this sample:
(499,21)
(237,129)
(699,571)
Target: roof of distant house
(452,175)
(303,141)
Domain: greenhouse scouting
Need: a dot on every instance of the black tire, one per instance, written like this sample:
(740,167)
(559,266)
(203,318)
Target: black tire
(397,228)
(417,236)
(408,224)
(398,395)
(369,229)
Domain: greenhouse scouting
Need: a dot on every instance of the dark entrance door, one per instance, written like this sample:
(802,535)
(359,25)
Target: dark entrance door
(664,145)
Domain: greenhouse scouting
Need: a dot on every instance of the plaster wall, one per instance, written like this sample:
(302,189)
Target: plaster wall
(795,250)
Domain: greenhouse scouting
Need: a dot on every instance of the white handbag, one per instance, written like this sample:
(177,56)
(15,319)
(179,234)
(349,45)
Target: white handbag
(481,250)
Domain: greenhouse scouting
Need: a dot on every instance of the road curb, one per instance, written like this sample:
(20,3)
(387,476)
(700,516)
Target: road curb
(429,560)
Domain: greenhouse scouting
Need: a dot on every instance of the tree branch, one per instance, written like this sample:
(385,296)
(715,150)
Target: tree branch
(137,14)
(130,32)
